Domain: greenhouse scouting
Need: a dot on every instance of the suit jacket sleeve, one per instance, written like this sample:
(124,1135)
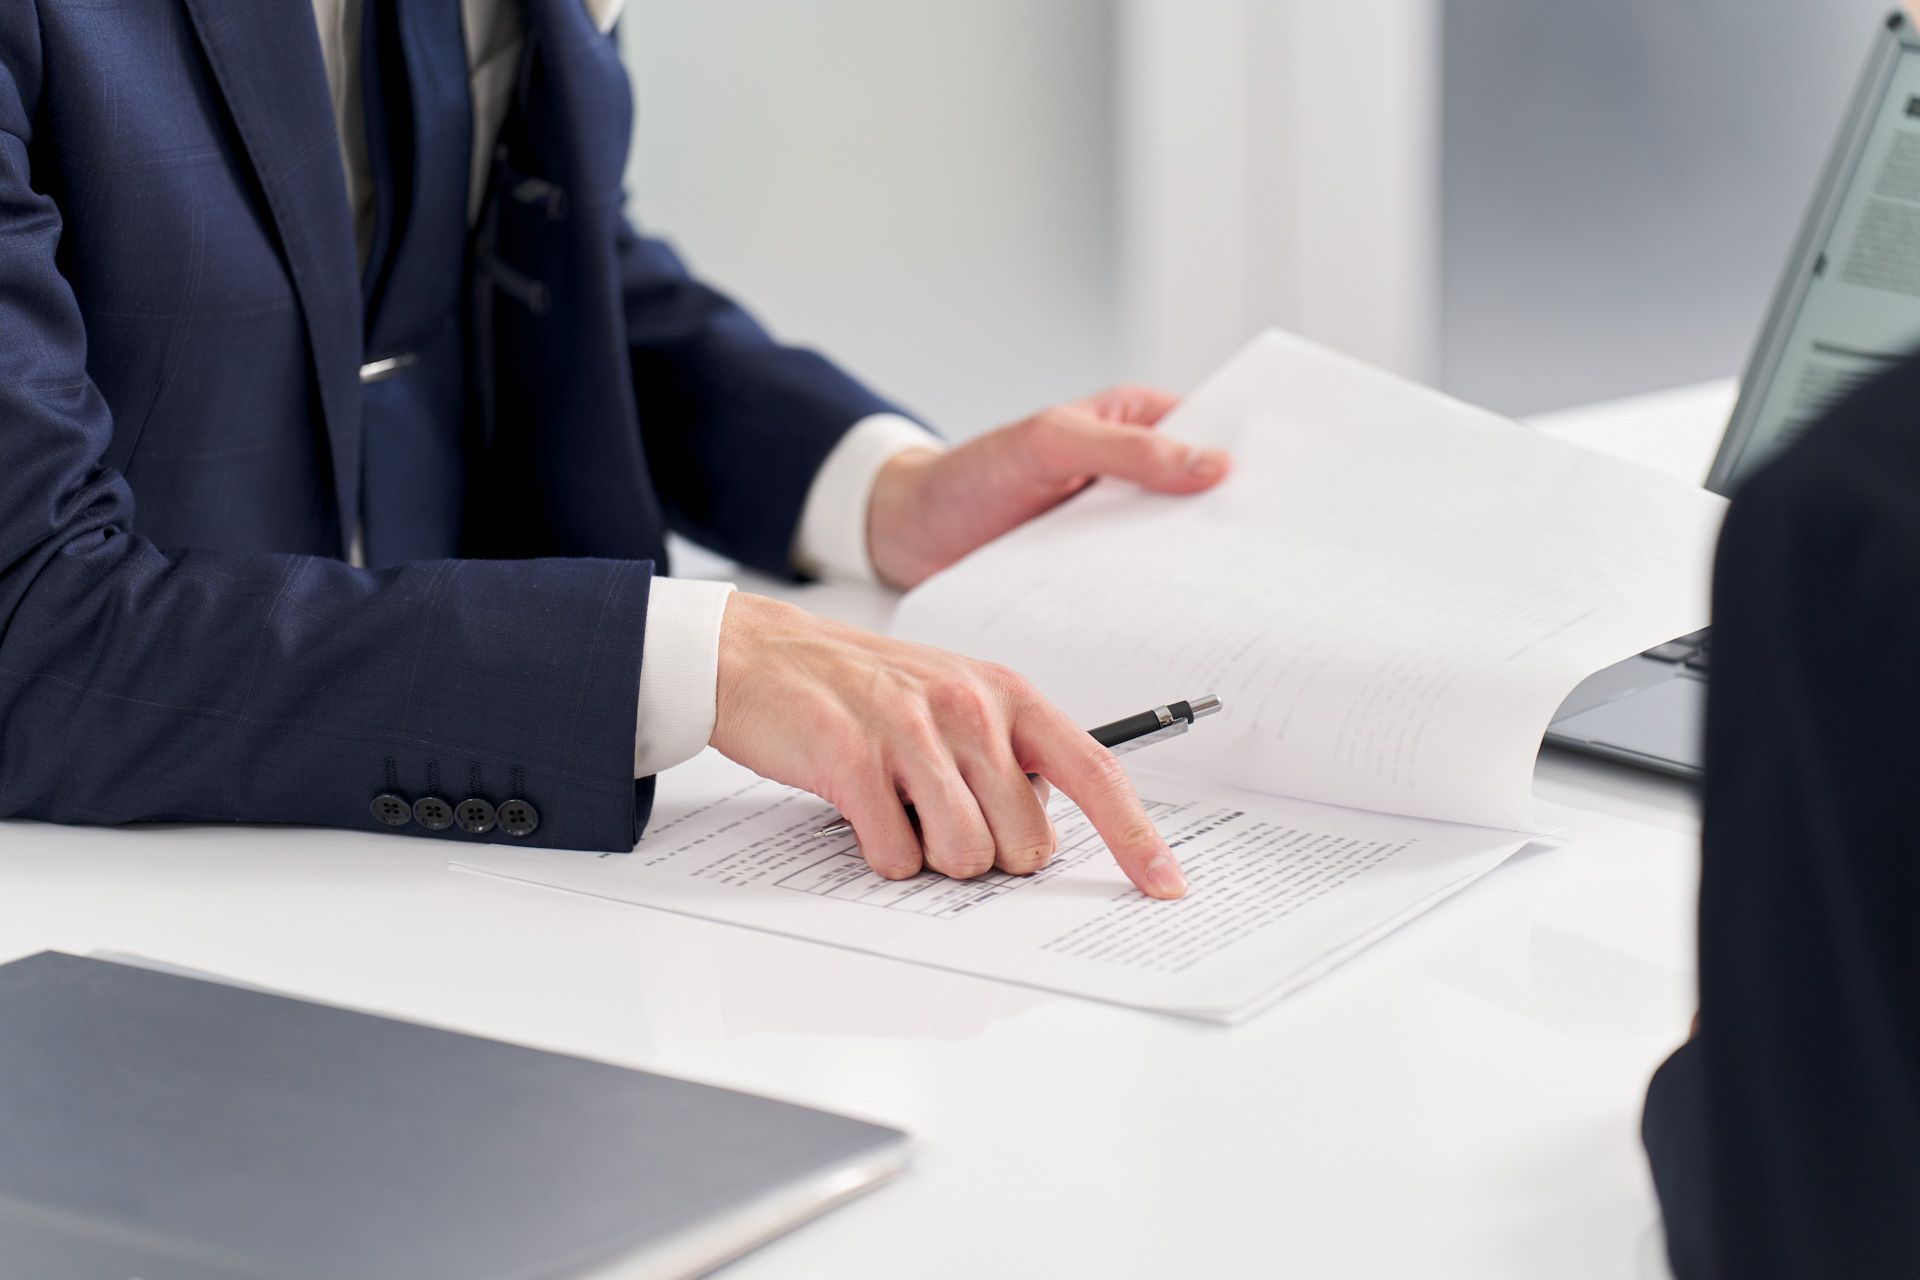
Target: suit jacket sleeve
(1785,1140)
(142,683)
(735,424)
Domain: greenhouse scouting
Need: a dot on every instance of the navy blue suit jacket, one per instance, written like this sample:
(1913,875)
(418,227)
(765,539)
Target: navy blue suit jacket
(180,448)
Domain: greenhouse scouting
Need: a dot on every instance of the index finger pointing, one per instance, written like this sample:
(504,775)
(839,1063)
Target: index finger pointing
(1092,777)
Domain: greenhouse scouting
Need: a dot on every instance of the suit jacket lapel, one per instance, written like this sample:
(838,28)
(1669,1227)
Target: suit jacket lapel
(265,56)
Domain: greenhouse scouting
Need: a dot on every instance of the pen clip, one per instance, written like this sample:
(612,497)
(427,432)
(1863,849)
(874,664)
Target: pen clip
(1173,730)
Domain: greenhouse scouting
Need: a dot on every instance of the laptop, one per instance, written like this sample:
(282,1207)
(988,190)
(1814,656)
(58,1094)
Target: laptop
(1847,310)
(161,1126)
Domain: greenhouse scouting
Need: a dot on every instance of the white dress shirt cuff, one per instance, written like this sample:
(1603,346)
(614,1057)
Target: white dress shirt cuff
(679,672)
(831,541)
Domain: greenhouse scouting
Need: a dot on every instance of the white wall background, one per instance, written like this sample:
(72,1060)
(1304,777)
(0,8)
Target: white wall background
(1623,182)
(920,187)
(1278,167)
(985,205)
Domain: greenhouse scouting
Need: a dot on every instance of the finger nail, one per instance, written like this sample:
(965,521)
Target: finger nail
(1206,464)
(1164,879)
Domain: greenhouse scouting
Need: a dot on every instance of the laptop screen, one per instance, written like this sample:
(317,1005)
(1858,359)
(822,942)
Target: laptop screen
(1850,306)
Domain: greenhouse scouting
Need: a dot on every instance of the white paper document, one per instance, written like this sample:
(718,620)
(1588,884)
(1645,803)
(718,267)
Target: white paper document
(1281,890)
(1392,593)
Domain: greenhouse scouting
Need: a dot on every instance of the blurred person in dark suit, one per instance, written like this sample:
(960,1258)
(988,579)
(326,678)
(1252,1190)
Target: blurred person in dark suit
(1785,1135)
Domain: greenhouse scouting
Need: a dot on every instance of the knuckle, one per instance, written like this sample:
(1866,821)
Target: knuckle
(1025,858)
(893,860)
(965,862)
(1050,438)
(1138,832)
(961,706)
(1105,772)
(1027,836)
(1013,686)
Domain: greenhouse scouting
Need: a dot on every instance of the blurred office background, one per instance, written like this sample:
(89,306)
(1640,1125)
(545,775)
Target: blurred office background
(985,205)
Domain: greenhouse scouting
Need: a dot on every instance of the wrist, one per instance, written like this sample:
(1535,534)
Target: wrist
(749,619)
(896,514)
(831,539)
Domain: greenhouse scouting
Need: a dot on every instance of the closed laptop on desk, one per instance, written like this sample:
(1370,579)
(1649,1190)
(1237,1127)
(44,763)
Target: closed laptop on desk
(164,1127)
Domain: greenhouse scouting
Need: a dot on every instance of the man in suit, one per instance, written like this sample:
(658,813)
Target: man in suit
(1785,1135)
(342,419)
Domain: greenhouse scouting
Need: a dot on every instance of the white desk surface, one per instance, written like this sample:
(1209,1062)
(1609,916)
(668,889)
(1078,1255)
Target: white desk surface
(1462,1100)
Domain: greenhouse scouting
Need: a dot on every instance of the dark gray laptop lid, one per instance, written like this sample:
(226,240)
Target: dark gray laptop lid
(202,1130)
(1847,307)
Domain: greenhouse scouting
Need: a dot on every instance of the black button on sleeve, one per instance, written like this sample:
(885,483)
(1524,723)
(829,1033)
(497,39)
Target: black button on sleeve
(433,813)
(518,818)
(391,809)
(474,815)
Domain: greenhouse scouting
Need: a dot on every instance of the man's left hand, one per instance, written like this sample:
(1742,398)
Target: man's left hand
(929,508)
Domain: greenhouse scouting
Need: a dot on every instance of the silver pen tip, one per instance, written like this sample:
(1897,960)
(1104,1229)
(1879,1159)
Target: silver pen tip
(1204,705)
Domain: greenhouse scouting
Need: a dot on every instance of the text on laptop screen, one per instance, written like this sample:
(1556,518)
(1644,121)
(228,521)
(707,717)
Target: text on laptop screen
(1860,312)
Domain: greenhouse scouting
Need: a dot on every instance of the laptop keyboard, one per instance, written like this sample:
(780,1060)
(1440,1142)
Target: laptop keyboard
(1692,652)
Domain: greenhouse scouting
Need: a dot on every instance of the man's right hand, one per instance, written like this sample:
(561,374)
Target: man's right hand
(871,724)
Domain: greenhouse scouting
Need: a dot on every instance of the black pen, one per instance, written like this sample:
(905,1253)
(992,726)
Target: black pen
(1120,737)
